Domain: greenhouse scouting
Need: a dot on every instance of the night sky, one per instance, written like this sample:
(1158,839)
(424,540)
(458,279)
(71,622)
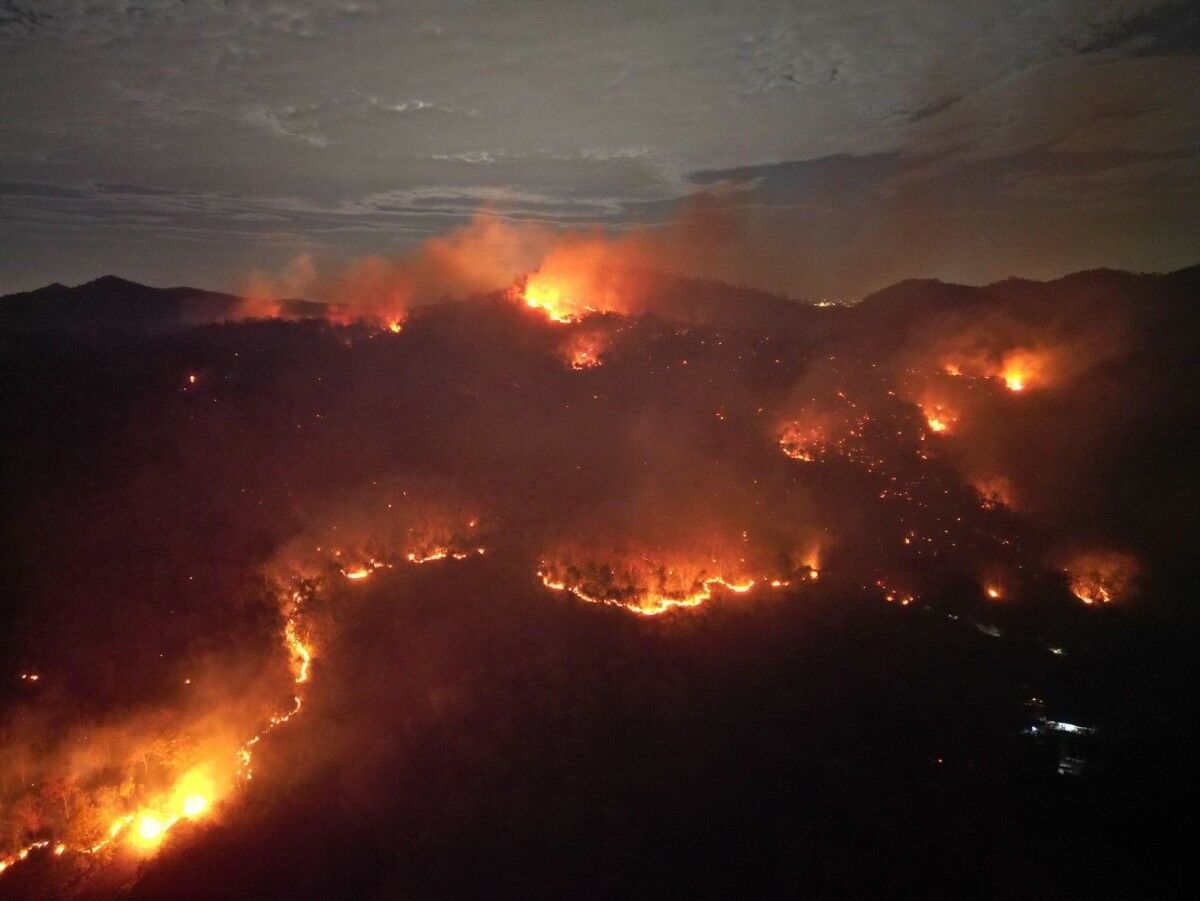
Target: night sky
(859,143)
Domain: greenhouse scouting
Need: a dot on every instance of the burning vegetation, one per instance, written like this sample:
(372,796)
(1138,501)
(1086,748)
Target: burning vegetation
(560,428)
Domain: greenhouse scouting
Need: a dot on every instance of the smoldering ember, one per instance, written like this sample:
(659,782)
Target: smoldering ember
(500,533)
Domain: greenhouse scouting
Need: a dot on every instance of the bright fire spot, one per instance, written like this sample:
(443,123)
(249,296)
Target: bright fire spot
(301,652)
(194,805)
(584,359)
(358,572)
(801,443)
(893,596)
(1101,577)
(937,416)
(192,378)
(993,592)
(395,326)
(547,294)
(1023,368)
(149,829)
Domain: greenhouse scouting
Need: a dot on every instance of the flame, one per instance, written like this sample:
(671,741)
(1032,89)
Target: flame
(1101,577)
(149,830)
(1017,369)
(938,415)
(653,603)
(552,296)
(584,351)
(301,653)
(801,442)
(650,587)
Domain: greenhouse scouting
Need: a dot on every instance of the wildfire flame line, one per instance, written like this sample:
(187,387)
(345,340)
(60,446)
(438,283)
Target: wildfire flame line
(653,603)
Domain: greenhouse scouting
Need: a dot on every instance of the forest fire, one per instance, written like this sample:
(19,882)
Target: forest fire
(1017,370)
(683,472)
(552,296)
(650,587)
(938,416)
(654,602)
(584,350)
(1102,577)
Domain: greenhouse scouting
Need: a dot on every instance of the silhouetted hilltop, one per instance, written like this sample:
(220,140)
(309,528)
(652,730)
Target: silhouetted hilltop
(111,307)
(114,307)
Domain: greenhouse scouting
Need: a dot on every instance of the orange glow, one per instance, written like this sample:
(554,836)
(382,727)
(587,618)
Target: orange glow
(1024,368)
(552,296)
(939,417)
(994,492)
(1101,577)
(149,830)
(300,652)
(1017,369)
(649,586)
(584,351)
(652,603)
(802,442)
(993,592)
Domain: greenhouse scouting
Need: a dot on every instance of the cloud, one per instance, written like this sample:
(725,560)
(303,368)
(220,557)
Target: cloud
(1157,29)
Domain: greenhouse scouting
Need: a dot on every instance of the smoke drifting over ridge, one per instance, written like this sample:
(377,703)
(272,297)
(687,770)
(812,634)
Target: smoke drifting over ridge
(326,544)
(569,272)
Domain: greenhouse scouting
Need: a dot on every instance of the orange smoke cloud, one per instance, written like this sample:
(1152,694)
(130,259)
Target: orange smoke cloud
(565,273)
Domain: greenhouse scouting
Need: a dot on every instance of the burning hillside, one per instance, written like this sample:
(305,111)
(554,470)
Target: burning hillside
(301,551)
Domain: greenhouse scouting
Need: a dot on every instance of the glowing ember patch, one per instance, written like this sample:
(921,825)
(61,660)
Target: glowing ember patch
(994,492)
(359,572)
(801,443)
(994,592)
(1101,577)
(395,326)
(584,359)
(938,416)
